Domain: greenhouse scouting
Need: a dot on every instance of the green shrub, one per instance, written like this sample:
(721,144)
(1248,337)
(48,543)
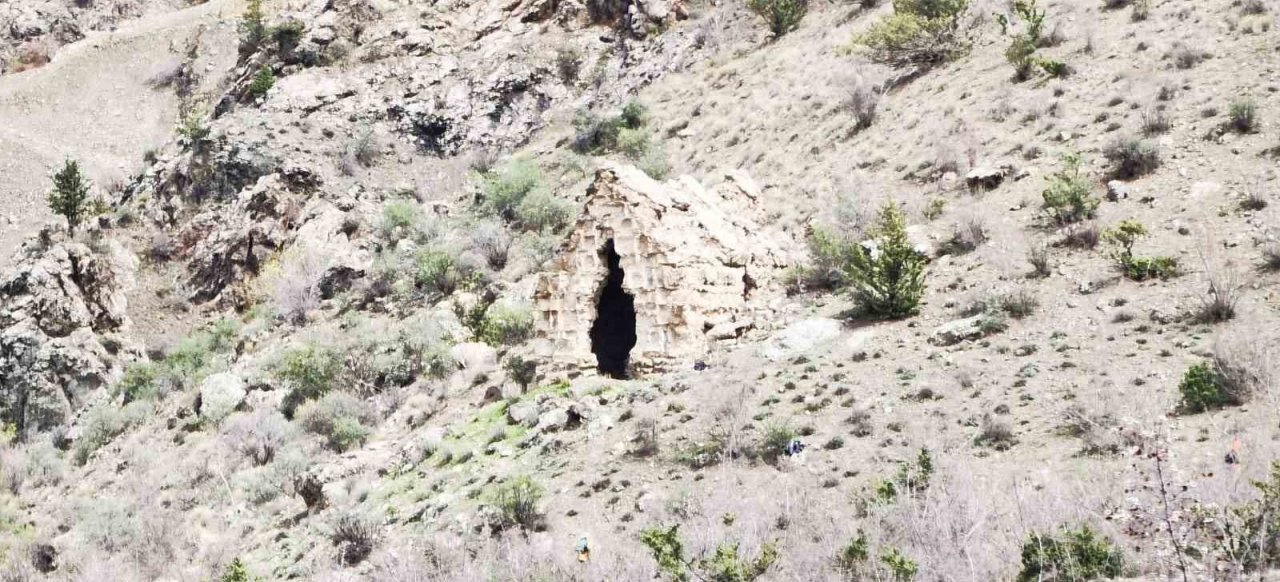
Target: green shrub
(596,135)
(1246,534)
(310,373)
(1022,49)
(568,64)
(901,568)
(1122,237)
(543,212)
(399,219)
(920,34)
(634,143)
(852,558)
(1070,556)
(782,16)
(237,572)
(437,272)
(521,371)
(287,36)
(1243,116)
(1068,199)
(1132,158)
(634,115)
(912,478)
(725,565)
(517,501)
(830,259)
(887,282)
(506,186)
(102,423)
(1205,386)
(777,437)
(1145,268)
(194,132)
(262,82)
(339,417)
(139,382)
(504,325)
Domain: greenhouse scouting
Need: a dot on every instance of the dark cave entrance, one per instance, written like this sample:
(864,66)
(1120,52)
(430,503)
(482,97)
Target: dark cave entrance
(614,332)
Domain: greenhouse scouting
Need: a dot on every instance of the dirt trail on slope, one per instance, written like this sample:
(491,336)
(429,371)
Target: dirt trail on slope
(94,104)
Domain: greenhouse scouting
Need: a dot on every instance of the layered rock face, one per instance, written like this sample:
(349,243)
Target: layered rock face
(62,314)
(691,266)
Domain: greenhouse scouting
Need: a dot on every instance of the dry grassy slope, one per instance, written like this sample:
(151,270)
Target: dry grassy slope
(93,104)
(778,112)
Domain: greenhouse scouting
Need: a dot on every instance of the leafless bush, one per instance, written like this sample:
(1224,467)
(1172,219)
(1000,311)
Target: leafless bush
(32,465)
(258,435)
(645,441)
(1082,236)
(1018,304)
(1254,7)
(1155,121)
(1244,362)
(1186,57)
(1038,258)
(1218,303)
(297,287)
(1271,255)
(864,98)
(355,537)
(363,152)
(995,434)
(493,242)
(968,235)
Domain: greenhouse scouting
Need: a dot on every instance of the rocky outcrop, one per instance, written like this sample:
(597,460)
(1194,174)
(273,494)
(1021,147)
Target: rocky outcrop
(62,318)
(32,30)
(692,260)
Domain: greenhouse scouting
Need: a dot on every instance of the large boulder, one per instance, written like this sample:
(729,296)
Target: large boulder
(954,332)
(802,337)
(62,318)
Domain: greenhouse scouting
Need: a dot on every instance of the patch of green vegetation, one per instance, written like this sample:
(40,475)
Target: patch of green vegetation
(1122,239)
(1069,556)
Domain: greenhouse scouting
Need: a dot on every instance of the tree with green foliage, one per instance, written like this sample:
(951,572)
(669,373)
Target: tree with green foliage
(887,281)
(783,16)
(920,34)
(253,28)
(70,195)
(237,572)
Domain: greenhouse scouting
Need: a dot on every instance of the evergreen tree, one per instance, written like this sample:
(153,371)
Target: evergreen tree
(889,281)
(70,195)
(253,28)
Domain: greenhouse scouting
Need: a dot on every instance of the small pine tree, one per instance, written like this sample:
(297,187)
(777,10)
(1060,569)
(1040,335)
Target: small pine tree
(253,28)
(236,572)
(889,281)
(70,195)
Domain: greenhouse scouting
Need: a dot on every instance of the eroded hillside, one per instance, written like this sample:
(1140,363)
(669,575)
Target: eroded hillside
(339,325)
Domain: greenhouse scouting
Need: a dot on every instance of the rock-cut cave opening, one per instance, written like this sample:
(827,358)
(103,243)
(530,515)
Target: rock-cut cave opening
(613,334)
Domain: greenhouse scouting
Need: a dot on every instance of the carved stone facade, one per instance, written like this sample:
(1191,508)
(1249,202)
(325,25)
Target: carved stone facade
(695,263)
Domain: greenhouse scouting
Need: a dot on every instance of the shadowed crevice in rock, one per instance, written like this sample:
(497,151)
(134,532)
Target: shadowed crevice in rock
(614,332)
